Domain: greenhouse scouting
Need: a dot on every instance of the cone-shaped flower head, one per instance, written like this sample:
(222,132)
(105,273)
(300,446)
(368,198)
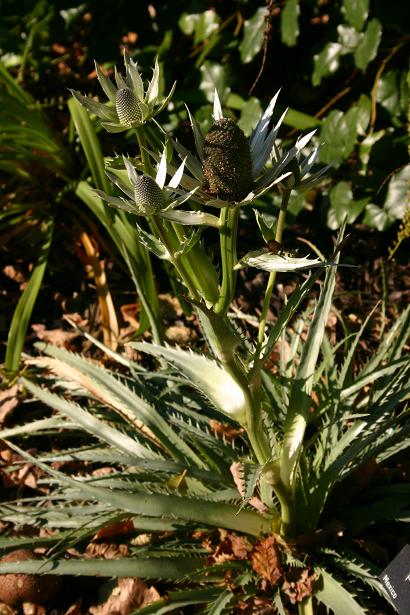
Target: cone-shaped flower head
(227,163)
(128,108)
(129,105)
(148,196)
(230,169)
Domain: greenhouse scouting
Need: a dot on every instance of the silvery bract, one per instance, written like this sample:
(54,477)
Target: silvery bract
(129,105)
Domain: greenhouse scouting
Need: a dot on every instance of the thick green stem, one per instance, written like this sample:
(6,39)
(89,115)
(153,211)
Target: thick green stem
(228,231)
(257,436)
(306,607)
(145,159)
(156,222)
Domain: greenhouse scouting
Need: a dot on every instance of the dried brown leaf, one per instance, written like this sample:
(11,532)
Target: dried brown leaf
(129,595)
(57,337)
(106,550)
(121,528)
(266,560)
(299,583)
(8,401)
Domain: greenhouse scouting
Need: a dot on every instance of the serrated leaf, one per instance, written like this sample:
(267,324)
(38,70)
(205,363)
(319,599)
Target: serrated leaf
(179,599)
(196,218)
(153,244)
(263,259)
(367,50)
(289,25)
(252,40)
(89,423)
(356,12)
(335,597)
(210,378)
(155,567)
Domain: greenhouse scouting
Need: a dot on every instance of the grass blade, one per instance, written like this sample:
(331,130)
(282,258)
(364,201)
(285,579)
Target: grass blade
(23,311)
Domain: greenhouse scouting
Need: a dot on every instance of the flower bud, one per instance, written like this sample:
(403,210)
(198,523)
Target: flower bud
(128,108)
(148,196)
(227,165)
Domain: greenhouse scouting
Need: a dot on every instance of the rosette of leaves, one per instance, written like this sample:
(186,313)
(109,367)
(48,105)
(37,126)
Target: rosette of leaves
(179,462)
(129,104)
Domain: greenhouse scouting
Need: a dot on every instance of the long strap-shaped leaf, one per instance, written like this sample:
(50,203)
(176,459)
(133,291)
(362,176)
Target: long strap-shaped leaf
(145,567)
(211,379)
(90,423)
(299,404)
(177,600)
(197,510)
(104,386)
(22,313)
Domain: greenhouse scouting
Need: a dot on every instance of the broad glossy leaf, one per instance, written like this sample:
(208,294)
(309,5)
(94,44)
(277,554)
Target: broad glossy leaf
(289,26)
(338,133)
(250,114)
(377,217)
(326,62)
(253,36)
(202,25)
(356,12)
(367,50)
(398,193)
(213,77)
(343,206)
(348,37)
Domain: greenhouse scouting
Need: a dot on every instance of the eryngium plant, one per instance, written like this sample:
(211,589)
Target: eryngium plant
(213,441)
(227,163)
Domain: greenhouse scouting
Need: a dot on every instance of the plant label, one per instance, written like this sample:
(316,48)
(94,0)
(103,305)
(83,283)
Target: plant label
(396,580)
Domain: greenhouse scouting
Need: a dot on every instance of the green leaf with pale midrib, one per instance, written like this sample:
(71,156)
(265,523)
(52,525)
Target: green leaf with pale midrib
(335,596)
(89,423)
(143,567)
(139,407)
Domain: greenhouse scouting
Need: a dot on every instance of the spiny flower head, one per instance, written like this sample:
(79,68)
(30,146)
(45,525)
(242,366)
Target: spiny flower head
(148,196)
(227,163)
(129,105)
(229,169)
(145,195)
